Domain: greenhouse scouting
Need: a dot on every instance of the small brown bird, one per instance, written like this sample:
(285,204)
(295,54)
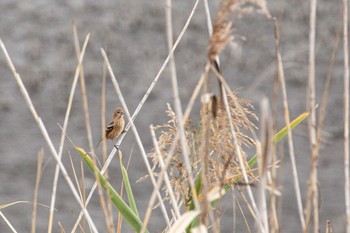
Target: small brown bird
(115,126)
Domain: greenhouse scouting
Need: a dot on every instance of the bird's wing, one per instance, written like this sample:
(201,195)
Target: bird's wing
(110,127)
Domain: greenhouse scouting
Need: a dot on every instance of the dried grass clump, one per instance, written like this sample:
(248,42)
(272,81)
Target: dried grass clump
(221,153)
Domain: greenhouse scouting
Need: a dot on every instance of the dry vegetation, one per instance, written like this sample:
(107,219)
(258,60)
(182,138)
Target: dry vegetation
(200,162)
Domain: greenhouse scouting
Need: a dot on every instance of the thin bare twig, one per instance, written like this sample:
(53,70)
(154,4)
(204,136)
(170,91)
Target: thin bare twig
(287,122)
(166,177)
(36,190)
(346,114)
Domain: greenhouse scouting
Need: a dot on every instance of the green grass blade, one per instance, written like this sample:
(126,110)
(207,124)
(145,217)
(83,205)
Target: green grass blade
(281,134)
(129,215)
(128,188)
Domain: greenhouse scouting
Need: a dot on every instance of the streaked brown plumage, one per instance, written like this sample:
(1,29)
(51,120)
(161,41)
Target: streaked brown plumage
(115,126)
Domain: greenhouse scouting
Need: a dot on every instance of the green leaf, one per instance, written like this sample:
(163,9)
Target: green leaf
(128,188)
(129,215)
(281,134)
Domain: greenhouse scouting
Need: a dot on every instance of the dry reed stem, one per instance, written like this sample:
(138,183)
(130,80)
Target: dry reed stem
(207,14)
(281,78)
(166,177)
(272,187)
(120,217)
(273,197)
(174,143)
(8,222)
(264,148)
(104,142)
(103,113)
(109,221)
(83,90)
(44,130)
(178,108)
(312,197)
(83,187)
(329,78)
(234,210)
(346,114)
(234,136)
(64,130)
(140,105)
(75,177)
(204,152)
(61,227)
(241,162)
(36,189)
(249,206)
(242,212)
(137,137)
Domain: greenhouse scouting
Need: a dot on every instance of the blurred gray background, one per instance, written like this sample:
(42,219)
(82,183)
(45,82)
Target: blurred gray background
(38,36)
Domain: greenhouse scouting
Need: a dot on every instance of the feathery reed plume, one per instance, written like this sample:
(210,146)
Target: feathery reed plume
(223,23)
(221,152)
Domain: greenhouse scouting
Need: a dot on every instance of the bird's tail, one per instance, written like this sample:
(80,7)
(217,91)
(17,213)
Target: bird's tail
(98,144)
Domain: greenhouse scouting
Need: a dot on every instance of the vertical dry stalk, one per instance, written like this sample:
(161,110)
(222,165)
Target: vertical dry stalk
(273,219)
(107,217)
(120,217)
(280,72)
(239,155)
(83,90)
(36,190)
(75,176)
(204,152)
(44,130)
(104,142)
(264,154)
(176,138)
(166,177)
(83,187)
(327,85)
(137,136)
(346,113)
(64,130)
(311,103)
(178,108)
(103,113)
(273,181)
(234,210)
(238,149)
